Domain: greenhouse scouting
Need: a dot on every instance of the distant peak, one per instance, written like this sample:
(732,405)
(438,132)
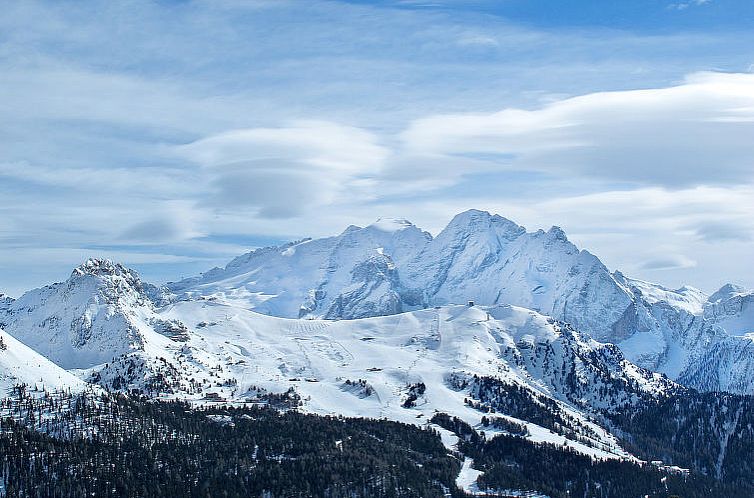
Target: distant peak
(727,291)
(391,224)
(557,233)
(471,215)
(475,212)
(689,289)
(475,220)
(103,267)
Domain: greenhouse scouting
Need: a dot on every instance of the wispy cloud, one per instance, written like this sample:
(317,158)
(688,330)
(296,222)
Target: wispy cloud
(283,171)
(721,232)
(190,130)
(686,5)
(698,132)
(669,262)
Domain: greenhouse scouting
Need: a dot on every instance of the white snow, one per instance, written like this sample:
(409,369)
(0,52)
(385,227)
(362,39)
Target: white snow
(466,479)
(391,224)
(317,357)
(259,326)
(19,364)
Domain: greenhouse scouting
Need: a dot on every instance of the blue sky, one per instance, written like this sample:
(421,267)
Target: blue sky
(634,15)
(173,136)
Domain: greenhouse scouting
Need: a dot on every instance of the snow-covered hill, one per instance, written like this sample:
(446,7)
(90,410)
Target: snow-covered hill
(510,331)
(409,366)
(20,364)
(393,266)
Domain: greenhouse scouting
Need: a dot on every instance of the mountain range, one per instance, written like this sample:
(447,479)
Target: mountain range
(387,321)
(393,266)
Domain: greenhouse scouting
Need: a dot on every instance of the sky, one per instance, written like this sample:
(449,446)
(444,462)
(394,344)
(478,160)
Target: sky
(174,135)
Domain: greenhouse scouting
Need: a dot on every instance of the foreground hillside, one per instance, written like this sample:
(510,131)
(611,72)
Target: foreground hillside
(136,448)
(19,364)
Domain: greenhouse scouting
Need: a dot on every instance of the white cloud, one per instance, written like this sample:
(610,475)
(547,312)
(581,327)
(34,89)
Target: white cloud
(478,40)
(162,181)
(321,144)
(96,100)
(283,171)
(669,262)
(723,231)
(696,133)
(686,5)
(168,222)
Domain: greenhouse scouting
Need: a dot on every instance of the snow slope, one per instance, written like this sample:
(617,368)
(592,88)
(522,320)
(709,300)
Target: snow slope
(373,367)
(19,364)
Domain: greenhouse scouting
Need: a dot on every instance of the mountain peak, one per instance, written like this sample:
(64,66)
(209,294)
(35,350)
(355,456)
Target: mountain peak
(726,292)
(557,233)
(115,281)
(103,267)
(471,216)
(475,220)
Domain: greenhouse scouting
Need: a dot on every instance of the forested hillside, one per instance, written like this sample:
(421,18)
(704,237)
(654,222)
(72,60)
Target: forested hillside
(125,448)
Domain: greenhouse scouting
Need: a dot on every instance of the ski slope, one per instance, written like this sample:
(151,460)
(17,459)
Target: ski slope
(367,367)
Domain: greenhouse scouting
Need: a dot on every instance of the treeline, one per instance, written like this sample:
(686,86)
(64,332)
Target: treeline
(712,433)
(514,463)
(58,444)
(137,448)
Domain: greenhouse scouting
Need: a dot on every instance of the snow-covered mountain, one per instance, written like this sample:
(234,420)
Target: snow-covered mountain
(100,311)
(727,327)
(508,331)
(401,339)
(732,308)
(393,266)
(352,275)
(103,325)
(101,322)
